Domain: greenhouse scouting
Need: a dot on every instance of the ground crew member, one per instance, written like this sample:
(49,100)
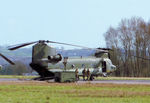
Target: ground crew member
(88,74)
(76,73)
(84,73)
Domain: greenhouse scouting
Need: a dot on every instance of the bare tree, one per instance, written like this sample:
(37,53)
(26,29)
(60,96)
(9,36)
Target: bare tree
(131,39)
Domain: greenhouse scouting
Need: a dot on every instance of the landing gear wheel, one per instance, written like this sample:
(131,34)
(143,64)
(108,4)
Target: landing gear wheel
(104,74)
(91,78)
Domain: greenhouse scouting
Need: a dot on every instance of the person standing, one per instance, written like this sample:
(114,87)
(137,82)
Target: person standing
(77,75)
(84,73)
(88,74)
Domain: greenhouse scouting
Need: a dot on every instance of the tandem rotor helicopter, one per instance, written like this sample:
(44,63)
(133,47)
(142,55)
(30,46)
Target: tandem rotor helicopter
(46,61)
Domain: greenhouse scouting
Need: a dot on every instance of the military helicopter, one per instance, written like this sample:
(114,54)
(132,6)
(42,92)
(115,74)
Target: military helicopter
(8,60)
(46,61)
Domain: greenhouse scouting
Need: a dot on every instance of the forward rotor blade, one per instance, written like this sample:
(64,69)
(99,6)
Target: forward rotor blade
(142,58)
(8,60)
(21,45)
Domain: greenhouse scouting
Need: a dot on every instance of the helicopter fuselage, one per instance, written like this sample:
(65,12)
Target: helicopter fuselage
(97,66)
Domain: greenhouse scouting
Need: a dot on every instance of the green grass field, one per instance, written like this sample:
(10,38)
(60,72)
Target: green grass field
(43,92)
(17,76)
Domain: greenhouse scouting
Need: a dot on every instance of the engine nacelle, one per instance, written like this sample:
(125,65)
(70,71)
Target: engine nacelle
(55,58)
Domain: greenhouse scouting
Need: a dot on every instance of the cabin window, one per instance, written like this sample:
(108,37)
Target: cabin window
(72,66)
(61,66)
(83,65)
(93,65)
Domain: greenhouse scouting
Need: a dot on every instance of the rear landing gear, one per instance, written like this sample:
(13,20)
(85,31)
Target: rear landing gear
(91,78)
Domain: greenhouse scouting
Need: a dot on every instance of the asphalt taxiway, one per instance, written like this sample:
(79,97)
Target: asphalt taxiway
(118,81)
(81,81)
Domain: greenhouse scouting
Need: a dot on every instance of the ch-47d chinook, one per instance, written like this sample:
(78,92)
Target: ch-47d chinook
(8,60)
(46,61)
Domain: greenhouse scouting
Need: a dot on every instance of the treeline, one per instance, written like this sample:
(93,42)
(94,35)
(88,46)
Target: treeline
(18,69)
(130,42)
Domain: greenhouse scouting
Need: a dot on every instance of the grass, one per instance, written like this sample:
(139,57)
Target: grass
(17,76)
(43,92)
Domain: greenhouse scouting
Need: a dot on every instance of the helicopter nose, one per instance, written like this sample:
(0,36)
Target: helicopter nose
(113,67)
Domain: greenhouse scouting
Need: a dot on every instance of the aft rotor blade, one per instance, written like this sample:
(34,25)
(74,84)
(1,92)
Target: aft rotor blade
(21,45)
(69,44)
(8,60)
(74,45)
(98,49)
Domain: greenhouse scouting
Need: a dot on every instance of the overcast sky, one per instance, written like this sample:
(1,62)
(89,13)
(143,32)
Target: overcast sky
(81,22)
